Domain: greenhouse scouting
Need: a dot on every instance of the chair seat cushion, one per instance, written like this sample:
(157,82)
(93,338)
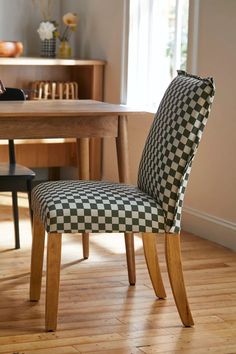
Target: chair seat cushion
(88,206)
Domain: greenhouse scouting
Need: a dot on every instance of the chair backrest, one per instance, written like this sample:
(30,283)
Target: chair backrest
(172,143)
(53,90)
(12,94)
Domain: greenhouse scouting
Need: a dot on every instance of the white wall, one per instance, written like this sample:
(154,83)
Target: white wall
(211,196)
(99,36)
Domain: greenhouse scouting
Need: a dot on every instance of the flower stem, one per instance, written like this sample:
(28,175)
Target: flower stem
(64,35)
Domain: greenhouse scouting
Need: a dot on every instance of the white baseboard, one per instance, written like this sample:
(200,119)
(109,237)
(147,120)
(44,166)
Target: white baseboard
(210,227)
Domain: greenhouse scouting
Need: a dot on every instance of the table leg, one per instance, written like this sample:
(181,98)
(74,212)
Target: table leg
(83,158)
(96,158)
(122,150)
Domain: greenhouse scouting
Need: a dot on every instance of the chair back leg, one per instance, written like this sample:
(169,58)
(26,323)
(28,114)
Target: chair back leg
(16,219)
(130,257)
(85,244)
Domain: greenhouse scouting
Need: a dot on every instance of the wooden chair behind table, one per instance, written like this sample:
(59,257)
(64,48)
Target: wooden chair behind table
(46,90)
(13,177)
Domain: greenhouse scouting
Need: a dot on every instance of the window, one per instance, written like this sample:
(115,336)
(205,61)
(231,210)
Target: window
(157,48)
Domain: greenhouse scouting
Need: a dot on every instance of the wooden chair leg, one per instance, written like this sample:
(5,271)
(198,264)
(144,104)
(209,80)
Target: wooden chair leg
(85,243)
(96,158)
(130,257)
(122,150)
(175,271)
(37,259)
(150,252)
(53,280)
(16,219)
(83,158)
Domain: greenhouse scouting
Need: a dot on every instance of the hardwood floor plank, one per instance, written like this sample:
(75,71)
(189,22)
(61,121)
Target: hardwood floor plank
(57,350)
(126,350)
(225,349)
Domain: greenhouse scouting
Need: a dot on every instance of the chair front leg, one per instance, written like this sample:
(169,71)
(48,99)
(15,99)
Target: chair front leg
(37,259)
(130,257)
(150,252)
(53,280)
(175,271)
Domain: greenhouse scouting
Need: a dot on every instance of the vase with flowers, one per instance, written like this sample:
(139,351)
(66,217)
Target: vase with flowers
(70,20)
(47,34)
(47,29)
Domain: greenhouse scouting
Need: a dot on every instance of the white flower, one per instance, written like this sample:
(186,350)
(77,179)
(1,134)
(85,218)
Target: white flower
(46,30)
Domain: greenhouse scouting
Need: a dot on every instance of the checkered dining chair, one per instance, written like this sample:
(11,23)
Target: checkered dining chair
(153,207)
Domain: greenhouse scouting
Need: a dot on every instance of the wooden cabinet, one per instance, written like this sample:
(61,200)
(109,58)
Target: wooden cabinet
(20,72)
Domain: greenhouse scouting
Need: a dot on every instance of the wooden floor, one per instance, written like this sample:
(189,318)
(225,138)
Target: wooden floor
(100,313)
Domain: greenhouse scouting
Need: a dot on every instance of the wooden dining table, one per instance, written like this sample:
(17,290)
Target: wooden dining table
(80,119)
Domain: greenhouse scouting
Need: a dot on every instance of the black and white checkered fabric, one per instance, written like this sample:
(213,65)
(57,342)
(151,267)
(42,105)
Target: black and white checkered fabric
(172,143)
(48,48)
(156,205)
(88,206)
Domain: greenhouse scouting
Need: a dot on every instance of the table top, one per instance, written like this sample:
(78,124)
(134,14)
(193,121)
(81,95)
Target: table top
(62,108)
